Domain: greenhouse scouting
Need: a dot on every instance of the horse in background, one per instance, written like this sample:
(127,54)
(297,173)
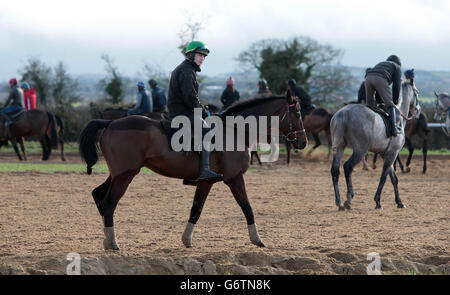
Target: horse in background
(20,140)
(442,111)
(362,129)
(37,123)
(316,121)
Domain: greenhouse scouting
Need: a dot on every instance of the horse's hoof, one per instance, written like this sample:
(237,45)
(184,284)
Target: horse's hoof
(186,242)
(365,168)
(378,207)
(401,205)
(347,205)
(260,244)
(407,170)
(341,208)
(374,167)
(110,246)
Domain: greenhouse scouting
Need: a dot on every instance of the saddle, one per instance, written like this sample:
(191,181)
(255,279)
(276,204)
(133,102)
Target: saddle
(14,116)
(380,110)
(169,131)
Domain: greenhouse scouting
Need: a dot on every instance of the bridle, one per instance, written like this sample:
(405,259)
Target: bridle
(291,127)
(416,107)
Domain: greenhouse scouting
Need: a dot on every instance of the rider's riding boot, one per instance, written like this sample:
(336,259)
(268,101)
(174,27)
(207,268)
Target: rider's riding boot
(397,129)
(205,171)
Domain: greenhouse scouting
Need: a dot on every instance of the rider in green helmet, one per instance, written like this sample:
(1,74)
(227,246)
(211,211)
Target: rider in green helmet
(183,98)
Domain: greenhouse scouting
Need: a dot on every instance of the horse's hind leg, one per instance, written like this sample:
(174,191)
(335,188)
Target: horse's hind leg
(237,187)
(425,150)
(399,161)
(388,162)
(335,176)
(348,169)
(316,144)
(99,194)
(394,181)
(201,193)
(14,144)
(411,151)
(374,161)
(61,142)
(119,185)
(22,147)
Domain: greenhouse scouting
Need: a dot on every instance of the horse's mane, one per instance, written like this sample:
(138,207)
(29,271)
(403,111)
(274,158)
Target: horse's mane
(241,106)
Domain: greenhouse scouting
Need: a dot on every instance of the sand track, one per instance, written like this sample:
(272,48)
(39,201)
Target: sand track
(45,216)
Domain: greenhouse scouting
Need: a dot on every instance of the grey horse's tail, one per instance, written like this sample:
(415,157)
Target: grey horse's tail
(338,126)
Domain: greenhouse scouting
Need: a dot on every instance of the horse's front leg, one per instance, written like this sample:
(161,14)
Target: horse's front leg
(201,193)
(237,187)
(22,147)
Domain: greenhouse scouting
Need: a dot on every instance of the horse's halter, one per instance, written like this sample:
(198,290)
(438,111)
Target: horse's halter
(291,108)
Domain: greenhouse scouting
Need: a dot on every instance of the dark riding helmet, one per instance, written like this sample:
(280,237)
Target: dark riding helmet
(152,83)
(395,58)
(292,82)
(262,83)
(409,74)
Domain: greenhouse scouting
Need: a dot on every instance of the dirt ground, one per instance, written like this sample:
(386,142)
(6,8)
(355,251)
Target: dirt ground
(45,216)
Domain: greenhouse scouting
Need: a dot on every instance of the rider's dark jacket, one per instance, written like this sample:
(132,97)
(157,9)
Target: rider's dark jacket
(183,89)
(392,73)
(229,96)
(15,97)
(159,99)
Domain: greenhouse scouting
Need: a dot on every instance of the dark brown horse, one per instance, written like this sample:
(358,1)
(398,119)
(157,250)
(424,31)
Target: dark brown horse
(315,121)
(60,130)
(117,113)
(36,123)
(414,127)
(130,143)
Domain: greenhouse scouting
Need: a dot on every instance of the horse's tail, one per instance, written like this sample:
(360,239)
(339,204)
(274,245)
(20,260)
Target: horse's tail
(338,125)
(53,132)
(60,124)
(423,123)
(87,142)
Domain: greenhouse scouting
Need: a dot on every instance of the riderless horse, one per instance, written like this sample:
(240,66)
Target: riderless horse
(442,111)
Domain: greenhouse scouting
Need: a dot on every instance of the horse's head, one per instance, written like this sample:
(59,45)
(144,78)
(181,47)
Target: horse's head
(414,106)
(291,124)
(440,108)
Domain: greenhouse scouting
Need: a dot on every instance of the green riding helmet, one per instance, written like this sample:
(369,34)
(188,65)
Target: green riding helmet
(198,47)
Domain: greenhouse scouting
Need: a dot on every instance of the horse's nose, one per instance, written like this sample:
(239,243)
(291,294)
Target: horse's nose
(301,145)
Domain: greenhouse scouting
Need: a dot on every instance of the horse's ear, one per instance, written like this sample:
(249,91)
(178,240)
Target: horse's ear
(289,97)
(436,94)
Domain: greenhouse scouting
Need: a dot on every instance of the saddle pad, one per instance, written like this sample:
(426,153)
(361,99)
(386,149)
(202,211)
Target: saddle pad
(386,120)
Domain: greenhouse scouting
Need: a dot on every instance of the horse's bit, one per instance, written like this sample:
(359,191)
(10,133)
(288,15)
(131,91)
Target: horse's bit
(291,128)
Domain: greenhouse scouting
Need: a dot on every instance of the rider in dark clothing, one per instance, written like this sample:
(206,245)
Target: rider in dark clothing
(378,79)
(230,95)
(263,88)
(158,97)
(362,94)
(305,99)
(183,98)
(144,104)
(14,101)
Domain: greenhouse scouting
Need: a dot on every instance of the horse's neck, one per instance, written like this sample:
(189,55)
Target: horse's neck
(407,93)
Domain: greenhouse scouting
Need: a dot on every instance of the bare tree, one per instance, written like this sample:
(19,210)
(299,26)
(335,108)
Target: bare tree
(113,84)
(190,29)
(65,89)
(39,75)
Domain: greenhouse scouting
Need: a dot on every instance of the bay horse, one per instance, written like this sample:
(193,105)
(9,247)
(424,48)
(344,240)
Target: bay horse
(36,122)
(117,113)
(60,131)
(316,121)
(414,127)
(130,143)
(359,127)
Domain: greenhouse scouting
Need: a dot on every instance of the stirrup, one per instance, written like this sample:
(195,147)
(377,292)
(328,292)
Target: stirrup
(208,175)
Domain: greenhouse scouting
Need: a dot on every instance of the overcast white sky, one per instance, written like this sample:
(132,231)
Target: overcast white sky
(134,32)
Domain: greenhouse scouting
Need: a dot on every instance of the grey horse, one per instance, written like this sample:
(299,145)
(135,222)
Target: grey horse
(442,111)
(362,129)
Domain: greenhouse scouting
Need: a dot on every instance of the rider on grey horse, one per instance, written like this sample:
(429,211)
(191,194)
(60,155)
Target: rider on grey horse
(378,79)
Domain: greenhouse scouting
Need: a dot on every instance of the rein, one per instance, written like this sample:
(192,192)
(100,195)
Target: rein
(291,128)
